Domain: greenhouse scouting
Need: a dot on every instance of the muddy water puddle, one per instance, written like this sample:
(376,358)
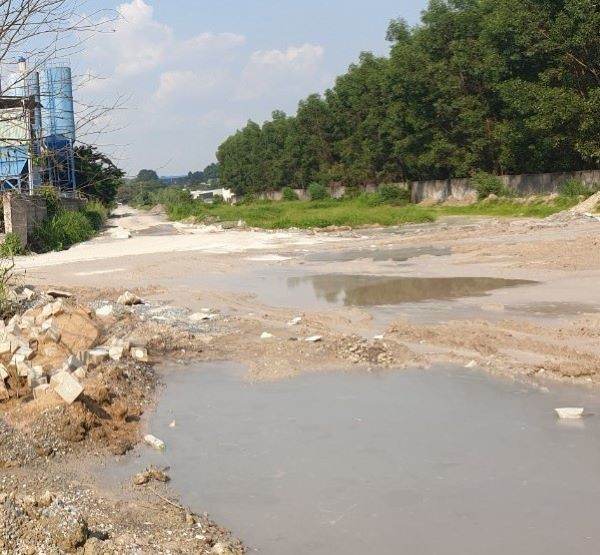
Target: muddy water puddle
(428,462)
(291,288)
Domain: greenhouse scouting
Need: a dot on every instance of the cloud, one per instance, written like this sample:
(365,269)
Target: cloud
(188,85)
(273,69)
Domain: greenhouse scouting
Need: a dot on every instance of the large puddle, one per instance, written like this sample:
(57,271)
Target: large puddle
(448,462)
(293,288)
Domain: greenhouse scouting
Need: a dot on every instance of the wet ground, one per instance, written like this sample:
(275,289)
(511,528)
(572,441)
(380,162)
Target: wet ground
(376,255)
(441,461)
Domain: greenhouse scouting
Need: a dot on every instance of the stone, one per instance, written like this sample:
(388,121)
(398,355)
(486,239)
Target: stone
(314,339)
(52,333)
(26,352)
(129,299)
(471,364)
(140,354)
(47,311)
(4,394)
(222,549)
(28,294)
(80,373)
(3,372)
(295,321)
(41,390)
(67,387)
(5,348)
(72,363)
(35,376)
(57,308)
(266,335)
(23,369)
(58,294)
(116,352)
(105,311)
(153,441)
(199,317)
(97,356)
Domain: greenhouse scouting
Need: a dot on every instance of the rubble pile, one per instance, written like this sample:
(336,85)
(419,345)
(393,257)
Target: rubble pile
(359,350)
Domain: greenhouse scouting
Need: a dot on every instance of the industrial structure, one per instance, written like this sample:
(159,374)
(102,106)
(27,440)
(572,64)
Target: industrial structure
(37,131)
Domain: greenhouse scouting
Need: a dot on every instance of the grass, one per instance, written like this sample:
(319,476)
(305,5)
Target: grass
(303,214)
(538,207)
(366,209)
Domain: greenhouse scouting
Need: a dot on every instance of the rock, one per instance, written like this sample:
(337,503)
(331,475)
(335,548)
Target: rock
(200,317)
(58,294)
(28,294)
(67,387)
(154,442)
(116,352)
(35,376)
(57,308)
(41,390)
(471,364)
(3,372)
(4,394)
(23,369)
(67,528)
(295,321)
(266,335)
(139,353)
(129,299)
(105,311)
(150,474)
(5,348)
(47,311)
(72,363)
(45,500)
(80,373)
(569,413)
(52,333)
(222,549)
(314,339)
(96,356)
(378,338)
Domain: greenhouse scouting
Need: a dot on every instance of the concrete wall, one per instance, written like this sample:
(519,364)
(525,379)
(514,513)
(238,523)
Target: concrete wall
(23,213)
(523,185)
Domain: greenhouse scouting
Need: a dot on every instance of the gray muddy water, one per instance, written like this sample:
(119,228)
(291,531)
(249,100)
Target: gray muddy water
(423,462)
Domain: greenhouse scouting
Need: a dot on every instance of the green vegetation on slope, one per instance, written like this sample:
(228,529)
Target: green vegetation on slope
(538,207)
(500,86)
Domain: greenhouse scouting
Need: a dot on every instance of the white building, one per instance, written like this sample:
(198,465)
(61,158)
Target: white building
(207,196)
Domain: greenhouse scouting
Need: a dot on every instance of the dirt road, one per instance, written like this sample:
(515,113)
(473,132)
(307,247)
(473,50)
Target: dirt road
(517,298)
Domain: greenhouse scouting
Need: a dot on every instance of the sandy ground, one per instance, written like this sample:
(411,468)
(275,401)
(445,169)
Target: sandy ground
(542,332)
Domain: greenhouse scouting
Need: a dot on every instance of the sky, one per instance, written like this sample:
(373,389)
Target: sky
(188,73)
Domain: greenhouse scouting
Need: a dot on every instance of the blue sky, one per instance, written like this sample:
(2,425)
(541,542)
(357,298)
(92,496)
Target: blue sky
(193,71)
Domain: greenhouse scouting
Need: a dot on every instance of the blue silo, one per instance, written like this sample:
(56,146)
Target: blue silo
(58,125)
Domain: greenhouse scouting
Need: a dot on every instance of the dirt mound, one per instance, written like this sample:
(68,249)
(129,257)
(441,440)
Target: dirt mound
(588,205)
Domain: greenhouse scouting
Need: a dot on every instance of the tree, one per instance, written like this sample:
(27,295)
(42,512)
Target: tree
(147,175)
(97,176)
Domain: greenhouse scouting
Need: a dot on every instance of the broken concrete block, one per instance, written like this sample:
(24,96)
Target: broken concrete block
(96,356)
(199,317)
(28,294)
(5,348)
(26,352)
(129,299)
(67,387)
(295,321)
(105,311)
(27,322)
(23,369)
(116,352)
(47,311)
(52,333)
(266,335)
(569,413)
(35,376)
(56,377)
(41,390)
(140,354)
(57,308)
(80,373)
(58,294)
(3,373)
(72,363)
(4,394)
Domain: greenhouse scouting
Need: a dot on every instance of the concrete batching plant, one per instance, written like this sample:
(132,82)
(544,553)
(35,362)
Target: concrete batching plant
(37,131)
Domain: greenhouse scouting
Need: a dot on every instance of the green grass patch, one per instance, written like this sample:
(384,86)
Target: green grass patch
(303,214)
(511,208)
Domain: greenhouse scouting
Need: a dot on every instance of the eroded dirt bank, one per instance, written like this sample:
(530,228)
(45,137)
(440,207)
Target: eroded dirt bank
(208,296)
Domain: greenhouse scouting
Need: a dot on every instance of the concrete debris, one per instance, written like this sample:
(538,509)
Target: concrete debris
(80,373)
(471,364)
(27,294)
(47,311)
(72,363)
(5,348)
(67,386)
(140,354)
(52,332)
(57,308)
(154,442)
(295,321)
(129,299)
(105,311)
(41,390)
(200,317)
(3,372)
(314,339)
(4,394)
(569,413)
(378,338)
(116,352)
(266,335)
(95,357)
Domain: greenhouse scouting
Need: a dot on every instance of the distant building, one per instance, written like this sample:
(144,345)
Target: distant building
(207,196)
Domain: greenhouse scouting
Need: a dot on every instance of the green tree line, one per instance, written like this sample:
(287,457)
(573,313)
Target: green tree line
(501,86)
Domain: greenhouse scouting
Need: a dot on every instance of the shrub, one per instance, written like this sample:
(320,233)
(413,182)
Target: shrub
(574,188)
(487,184)
(218,200)
(289,194)
(318,191)
(352,191)
(62,231)
(53,206)
(96,213)
(12,246)
(371,199)
(392,194)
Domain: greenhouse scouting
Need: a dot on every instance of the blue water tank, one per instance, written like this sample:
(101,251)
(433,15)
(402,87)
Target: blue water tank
(58,113)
